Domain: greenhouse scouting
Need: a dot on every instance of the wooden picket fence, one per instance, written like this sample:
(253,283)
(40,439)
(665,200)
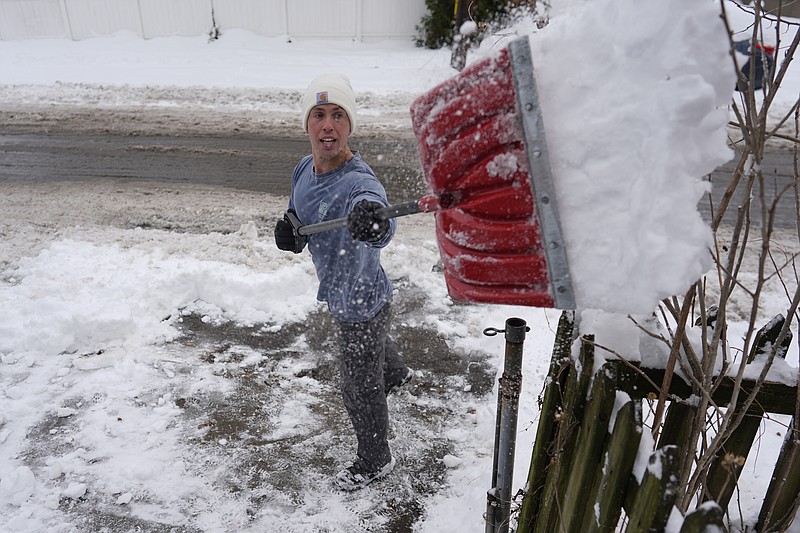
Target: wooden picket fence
(581,475)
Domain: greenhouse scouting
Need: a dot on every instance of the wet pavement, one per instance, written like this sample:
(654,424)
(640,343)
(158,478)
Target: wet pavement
(259,164)
(265,164)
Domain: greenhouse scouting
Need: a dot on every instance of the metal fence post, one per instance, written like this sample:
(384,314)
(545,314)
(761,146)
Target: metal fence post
(498,505)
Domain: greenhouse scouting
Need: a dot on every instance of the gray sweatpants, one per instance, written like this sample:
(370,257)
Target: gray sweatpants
(367,358)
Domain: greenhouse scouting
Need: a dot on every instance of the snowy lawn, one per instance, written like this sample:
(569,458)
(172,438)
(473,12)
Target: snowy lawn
(192,382)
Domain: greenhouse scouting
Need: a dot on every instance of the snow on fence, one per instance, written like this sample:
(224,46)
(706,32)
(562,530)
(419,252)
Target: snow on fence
(584,472)
(362,20)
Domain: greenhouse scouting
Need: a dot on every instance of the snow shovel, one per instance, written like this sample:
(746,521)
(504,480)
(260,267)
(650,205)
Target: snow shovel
(483,154)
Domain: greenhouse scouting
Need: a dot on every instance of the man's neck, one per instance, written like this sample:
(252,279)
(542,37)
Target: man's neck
(325,165)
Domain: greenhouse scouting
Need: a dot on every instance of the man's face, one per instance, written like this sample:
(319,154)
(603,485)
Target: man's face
(328,130)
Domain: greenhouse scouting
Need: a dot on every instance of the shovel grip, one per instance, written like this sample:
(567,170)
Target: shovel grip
(392,211)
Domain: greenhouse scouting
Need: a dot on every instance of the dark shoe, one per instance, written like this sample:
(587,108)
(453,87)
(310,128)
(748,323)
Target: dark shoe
(395,382)
(356,476)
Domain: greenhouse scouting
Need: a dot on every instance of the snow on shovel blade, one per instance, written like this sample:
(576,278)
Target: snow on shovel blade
(480,136)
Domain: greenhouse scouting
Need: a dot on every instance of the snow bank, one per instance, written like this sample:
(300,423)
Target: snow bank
(635,111)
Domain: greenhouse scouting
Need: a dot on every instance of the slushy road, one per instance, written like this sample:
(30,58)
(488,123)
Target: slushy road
(265,164)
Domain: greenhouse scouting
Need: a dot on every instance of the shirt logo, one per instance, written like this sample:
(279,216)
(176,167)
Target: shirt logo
(323,210)
(322,98)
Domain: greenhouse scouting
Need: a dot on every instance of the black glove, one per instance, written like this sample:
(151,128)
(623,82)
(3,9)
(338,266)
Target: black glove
(286,236)
(364,224)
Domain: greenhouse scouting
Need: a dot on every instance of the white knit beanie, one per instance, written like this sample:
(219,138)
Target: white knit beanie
(330,89)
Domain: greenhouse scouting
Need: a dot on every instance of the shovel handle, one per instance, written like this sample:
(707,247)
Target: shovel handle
(392,211)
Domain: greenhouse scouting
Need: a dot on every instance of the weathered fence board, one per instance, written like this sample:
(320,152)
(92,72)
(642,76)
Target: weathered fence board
(548,421)
(727,466)
(699,520)
(655,497)
(782,499)
(780,397)
(581,474)
(623,446)
(677,428)
(590,449)
(558,473)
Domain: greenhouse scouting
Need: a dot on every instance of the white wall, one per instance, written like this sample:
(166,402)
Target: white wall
(20,19)
(90,18)
(334,18)
(264,17)
(175,17)
(366,20)
(387,18)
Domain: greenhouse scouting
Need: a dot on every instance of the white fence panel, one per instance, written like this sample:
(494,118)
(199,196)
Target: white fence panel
(391,19)
(162,18)
(263,17)
(21,19)
(366,20)
(323,18)
(91,18)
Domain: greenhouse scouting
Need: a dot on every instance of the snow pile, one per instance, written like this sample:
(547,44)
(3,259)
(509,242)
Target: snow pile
(103,296)
(239,59)
(635,113)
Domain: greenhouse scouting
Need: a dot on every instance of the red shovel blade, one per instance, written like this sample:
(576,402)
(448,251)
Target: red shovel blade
(472,143)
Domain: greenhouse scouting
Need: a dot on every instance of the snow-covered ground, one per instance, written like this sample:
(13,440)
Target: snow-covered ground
(164,367)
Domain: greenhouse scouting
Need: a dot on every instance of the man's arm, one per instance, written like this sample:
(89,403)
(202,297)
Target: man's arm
(365,224)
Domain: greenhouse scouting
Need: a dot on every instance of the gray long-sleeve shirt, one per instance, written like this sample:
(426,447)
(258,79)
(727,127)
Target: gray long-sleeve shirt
(351,278)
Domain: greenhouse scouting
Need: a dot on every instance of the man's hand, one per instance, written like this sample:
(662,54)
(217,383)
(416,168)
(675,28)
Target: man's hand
(364,224)
(286,236)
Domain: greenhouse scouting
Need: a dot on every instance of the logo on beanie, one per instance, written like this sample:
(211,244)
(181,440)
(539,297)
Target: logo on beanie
(322,98)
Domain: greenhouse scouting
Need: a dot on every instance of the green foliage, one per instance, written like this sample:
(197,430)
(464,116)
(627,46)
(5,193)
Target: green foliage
(437,27)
